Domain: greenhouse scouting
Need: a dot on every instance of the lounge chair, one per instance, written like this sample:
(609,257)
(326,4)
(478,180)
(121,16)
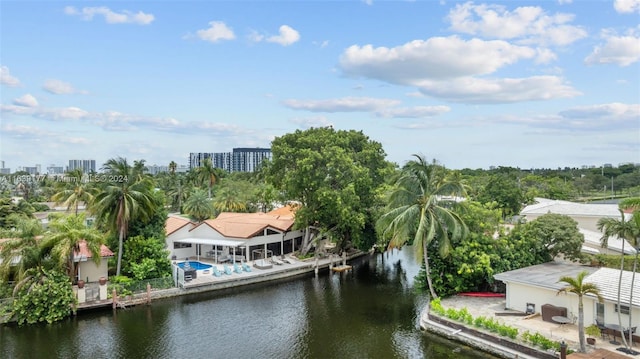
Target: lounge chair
(277,261)
(216,271)
(237,268)
(288,260)
(227,270)
(246,267)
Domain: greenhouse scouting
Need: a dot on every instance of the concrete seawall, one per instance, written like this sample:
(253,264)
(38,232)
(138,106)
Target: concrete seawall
(486,342)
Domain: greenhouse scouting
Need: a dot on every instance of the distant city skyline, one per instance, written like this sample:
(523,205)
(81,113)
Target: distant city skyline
(471,84)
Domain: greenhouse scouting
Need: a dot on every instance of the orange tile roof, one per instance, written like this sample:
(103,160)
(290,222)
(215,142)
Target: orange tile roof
(84,251)
(174,223)
(246,225)
(288,210)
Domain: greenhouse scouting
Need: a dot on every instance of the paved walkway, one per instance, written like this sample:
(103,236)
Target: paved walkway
(488,307)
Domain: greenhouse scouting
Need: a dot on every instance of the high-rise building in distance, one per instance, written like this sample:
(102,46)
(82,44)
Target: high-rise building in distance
(87,166)
(240,160)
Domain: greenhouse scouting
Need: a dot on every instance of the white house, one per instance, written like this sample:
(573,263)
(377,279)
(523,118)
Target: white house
(587,215)
(233,236)
(88,269)
(538,285)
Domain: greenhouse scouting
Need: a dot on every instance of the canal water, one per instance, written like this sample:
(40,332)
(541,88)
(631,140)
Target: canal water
(369,312)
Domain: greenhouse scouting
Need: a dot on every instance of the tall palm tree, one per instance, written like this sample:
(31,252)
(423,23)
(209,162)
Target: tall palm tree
(578,287)
(417,208)
(207,174)
(198,205)
(65,237)
(127,198)
(172,167)
(633,204)
(75,189)
(628,231)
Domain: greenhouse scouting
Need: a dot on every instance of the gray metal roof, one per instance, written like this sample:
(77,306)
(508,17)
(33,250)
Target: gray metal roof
(544,275)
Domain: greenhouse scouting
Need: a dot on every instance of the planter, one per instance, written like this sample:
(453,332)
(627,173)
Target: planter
(102,280)
(80,284)
(591,341)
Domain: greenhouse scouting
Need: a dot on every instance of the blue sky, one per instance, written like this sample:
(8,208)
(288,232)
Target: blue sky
(471,84)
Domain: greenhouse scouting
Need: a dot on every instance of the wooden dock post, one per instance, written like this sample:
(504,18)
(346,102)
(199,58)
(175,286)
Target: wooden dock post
(148,293)
(114,298)
(315,270)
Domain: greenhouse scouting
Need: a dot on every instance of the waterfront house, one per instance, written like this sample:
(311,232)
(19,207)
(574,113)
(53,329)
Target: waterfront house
(88,269)
(233,236)
(587,215)
(536,287)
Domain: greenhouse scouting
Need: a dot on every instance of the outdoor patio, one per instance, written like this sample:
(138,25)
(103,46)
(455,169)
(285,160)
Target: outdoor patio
(488,307)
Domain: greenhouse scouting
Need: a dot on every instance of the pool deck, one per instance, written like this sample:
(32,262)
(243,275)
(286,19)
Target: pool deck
(210,282)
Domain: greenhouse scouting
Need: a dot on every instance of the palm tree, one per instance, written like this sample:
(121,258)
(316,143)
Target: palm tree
(67,233)
(578,287)
(207,174)
(418,209)
(228,200)
(634,205)
(627,231)
(21,253)
(128,197)
(172,167)
(75,190)
(198,205)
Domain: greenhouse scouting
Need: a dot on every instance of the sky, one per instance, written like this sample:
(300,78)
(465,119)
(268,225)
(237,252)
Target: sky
(528,84)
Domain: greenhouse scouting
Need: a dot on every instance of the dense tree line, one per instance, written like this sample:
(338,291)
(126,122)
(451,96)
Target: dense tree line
(343,190)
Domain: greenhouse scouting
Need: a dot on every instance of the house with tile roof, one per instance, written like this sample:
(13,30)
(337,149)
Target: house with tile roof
(88,269)
(587,215)
(233,236)
(538,285)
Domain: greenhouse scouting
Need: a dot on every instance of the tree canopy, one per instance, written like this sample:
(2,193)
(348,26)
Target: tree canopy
(334,176)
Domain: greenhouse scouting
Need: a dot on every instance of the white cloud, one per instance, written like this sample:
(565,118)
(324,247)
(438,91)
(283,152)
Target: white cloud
(457,69)
(217,31)
(605,112)
(627,6)
(507,90)
(27,101)
(286,37)
(308,122)
(23,132)
(529,24)
(413,112)
(7,79)
(111,17)
(610,117)
(345,104)
(619,50)
(436,58)
(58,87)
(563,2)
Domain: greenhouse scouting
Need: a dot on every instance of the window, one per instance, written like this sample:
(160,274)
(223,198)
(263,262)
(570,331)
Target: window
(624,309)
(181,245)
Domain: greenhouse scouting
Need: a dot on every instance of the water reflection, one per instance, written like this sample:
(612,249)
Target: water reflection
(369,312)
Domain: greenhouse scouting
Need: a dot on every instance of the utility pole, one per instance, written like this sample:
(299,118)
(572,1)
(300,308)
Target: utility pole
(611,187)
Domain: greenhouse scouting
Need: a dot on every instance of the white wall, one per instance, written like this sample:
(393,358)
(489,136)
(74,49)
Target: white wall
(519,295)
(92,270)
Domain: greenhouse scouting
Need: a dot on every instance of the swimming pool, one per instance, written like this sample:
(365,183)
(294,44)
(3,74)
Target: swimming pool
(196,265)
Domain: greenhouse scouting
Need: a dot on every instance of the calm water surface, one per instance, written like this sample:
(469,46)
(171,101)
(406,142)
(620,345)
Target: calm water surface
(370,312)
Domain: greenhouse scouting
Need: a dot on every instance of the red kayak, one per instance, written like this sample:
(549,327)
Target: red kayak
(482,294)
